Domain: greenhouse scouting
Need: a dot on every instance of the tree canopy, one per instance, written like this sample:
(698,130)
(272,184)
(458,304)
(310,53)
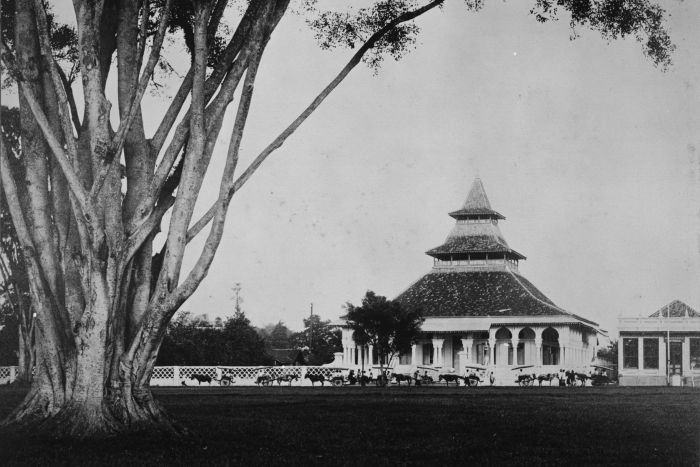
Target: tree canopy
(196,341)
(384,324)
(319,340)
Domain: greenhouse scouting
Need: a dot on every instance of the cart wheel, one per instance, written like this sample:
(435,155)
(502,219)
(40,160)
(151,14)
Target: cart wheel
(337,382)
(225,382)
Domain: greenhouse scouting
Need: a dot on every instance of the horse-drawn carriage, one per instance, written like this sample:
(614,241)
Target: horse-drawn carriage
(224,376)
(428,376)
(475,374)
(524,379)
(600,375)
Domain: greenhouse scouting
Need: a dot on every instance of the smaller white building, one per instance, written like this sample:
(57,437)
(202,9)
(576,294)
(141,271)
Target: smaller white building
(661,349)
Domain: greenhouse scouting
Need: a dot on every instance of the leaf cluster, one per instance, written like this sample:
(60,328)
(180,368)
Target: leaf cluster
(613,19)
(352,28)
(386,324)
(319,340)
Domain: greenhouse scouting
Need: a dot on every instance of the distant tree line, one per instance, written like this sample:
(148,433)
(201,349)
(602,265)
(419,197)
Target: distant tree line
(233,341)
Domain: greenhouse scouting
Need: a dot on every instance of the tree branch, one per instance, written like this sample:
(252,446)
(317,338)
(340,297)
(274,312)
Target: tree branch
(356,58)
(328,89)
(58,84)
(61,157)
(118,141)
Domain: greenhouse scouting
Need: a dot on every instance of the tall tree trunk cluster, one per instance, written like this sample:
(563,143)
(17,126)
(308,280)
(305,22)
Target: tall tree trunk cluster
(102,298)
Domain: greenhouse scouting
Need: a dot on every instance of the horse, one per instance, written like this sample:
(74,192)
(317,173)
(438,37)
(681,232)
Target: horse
(548,377)
(201,378)
(399,377)
(287,379)
(315,378)
(449,378)
(263,380)
(582,377)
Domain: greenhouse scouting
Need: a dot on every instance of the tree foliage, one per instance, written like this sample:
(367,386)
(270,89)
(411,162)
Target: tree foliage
(318,340)
(192,340)
(385,324)
(277,335)
(609,353)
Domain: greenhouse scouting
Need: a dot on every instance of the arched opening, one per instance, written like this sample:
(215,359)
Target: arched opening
(503,333)
(503,353)
(550,347)
(525,352)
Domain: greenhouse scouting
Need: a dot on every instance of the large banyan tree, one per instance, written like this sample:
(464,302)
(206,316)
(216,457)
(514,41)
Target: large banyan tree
(87,192)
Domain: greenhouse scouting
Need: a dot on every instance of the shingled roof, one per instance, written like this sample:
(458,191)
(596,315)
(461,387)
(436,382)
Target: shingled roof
(473,244)
(483,293)
(481,234)
(477,204)
(677,309)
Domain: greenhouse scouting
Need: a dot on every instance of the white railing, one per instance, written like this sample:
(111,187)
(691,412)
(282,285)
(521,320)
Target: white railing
(237,375)
(8,374)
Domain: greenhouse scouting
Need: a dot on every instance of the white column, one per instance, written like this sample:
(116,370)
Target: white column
(370,354)
(538,351)
(414,351)
(686,356)
(492,349)
(620,357)
(662,356)
(467,348)
(640,353)
(437,352)
(514,342)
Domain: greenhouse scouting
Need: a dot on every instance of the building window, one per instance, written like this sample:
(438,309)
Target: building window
(695,354)
(428,354)
(405,359)
(630,353)
(651,353)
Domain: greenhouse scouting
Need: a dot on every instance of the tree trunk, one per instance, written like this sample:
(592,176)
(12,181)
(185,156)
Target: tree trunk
(87,407)
(24,356)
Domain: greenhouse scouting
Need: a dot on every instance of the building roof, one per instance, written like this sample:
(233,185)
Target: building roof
(677,309)
(473,244)
(477,204)
(480,293)
(470,235)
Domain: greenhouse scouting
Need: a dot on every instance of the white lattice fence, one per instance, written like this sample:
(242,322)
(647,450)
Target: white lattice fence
(7,374)
(238,375)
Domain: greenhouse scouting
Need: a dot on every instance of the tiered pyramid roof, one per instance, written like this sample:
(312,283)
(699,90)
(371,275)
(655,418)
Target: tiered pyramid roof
(476,230)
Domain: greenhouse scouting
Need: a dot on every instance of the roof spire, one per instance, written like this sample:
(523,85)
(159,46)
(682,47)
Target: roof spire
(477,198)
(477,204)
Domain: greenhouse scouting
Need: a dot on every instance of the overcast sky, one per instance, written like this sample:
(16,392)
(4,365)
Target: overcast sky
(589,151)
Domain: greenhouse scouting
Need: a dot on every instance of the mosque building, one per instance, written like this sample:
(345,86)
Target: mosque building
(480,310)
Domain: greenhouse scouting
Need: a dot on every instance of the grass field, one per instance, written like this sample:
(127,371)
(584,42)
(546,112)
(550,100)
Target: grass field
(399,426)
